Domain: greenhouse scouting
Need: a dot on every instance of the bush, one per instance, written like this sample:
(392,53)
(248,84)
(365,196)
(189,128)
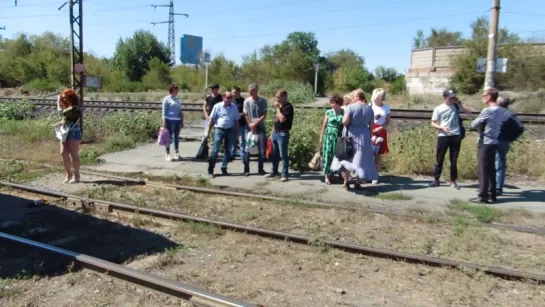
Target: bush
(88,156)
(297,92)
(119,143)
(413,152)
(398,86)
(43,85)
(139,127)
(18,110)
(304,137)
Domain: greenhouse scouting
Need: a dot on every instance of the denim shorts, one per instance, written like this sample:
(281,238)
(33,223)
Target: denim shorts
(75,134)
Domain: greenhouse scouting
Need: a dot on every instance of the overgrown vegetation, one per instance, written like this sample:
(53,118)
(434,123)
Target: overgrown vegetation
(18,110)
(40,63)
(413,152)
(35,139)
(525,66)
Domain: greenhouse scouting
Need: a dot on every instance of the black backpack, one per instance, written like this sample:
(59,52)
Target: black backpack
(460,122)
(511,129)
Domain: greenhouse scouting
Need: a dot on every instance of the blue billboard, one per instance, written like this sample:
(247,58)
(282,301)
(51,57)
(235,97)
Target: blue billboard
(190,49)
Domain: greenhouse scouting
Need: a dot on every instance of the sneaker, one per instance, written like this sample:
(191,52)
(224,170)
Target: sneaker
(211,176)
(434,184)
(374,182)
(262,172)
(270,175)
(454,185)
(168,158)
(478,200)
(246,174)
(284,179)
(224,172)
(176,157)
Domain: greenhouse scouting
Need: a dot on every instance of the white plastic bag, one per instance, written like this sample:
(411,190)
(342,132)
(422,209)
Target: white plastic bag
(251,143)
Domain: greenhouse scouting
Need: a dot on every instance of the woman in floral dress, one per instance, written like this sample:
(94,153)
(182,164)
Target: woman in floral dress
(331,129)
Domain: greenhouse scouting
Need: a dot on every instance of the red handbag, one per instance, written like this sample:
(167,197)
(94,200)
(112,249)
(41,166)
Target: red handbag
(268,153)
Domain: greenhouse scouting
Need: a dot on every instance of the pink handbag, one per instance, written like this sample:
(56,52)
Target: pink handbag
(164,137)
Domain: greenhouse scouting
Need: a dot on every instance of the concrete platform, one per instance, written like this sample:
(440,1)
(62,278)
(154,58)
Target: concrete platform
(149,159)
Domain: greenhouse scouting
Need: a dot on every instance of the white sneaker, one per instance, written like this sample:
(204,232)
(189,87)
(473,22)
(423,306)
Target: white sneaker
(374,182)
(168,158)
(176,157)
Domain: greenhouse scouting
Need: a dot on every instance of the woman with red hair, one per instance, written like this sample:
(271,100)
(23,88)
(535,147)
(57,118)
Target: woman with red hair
(68,104)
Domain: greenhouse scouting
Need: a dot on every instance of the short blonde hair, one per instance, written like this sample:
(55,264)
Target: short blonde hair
(378,92)
(359,94)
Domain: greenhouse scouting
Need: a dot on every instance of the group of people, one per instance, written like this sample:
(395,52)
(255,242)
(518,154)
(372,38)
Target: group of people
(237,122)
(365,124)
(493,144)
(233,119)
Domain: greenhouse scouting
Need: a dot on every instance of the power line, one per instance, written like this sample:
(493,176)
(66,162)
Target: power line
(524,14)
(171,29)
(122,8)
(350,27)
(324,12)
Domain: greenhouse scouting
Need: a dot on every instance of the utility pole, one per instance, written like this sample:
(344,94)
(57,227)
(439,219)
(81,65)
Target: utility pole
(75,8)
(171,29)
(2,28)
(492,40)
(316,69)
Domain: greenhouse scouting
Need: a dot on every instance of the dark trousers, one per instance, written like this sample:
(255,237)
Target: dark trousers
(486,158)
(452,143)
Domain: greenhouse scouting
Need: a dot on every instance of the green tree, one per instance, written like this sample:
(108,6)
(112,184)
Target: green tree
(133,55)
(387,74)
(437,38)
(157,76)
(466,79)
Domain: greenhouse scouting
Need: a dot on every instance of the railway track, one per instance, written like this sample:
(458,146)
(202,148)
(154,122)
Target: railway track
(403,114)
(109,207)
(194,295)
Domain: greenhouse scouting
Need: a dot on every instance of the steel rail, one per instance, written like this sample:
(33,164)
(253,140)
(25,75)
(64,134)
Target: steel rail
(284,236)
(401,114)
(425,113)
(195,295)
(501,226)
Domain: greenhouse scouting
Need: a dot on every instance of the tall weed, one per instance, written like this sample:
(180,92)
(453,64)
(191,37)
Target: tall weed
(16,110)
(297,92)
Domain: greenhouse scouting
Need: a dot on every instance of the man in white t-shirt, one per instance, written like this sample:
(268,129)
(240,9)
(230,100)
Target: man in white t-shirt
(445,119)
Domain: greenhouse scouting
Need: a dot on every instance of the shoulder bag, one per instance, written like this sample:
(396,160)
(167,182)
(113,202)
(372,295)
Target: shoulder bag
(344,149)
(62,132)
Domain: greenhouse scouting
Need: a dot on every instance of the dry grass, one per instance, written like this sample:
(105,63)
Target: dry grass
(428,234)
(281,274)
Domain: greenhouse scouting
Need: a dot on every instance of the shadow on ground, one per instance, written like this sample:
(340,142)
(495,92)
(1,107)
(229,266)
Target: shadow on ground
(75,231)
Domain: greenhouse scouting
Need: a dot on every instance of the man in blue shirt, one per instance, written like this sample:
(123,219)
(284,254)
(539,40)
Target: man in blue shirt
(224,118)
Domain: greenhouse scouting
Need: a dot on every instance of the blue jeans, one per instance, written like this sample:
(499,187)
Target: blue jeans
(280,141)
(221,135)
(261,145)
(173,127)
(241,142)
(501,164)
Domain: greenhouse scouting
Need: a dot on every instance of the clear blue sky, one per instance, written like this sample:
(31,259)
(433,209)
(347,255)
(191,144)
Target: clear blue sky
(380,31)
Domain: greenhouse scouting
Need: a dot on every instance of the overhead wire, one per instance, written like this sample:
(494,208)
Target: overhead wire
(350,27)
